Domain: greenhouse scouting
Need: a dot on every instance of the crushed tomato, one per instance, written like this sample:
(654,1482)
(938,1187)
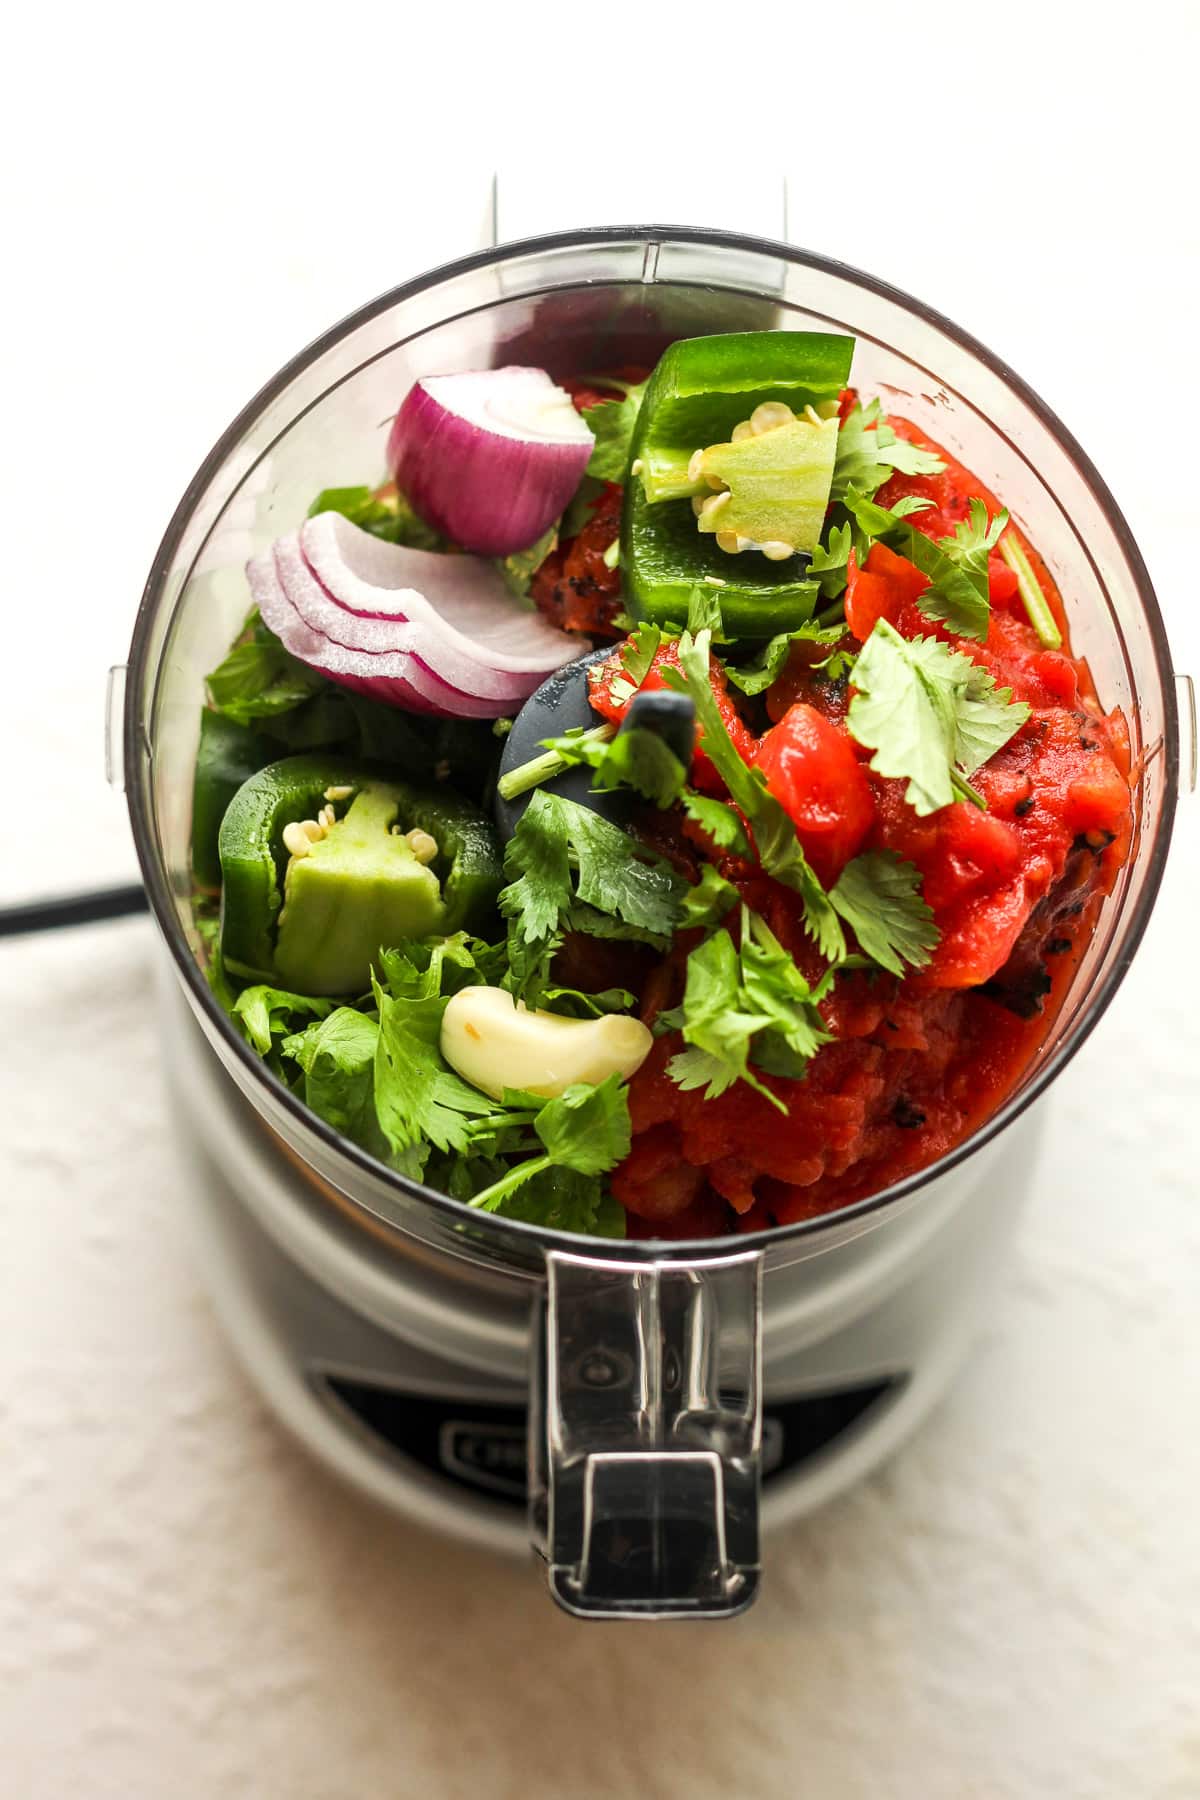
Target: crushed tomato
(574,586)
(919,1063)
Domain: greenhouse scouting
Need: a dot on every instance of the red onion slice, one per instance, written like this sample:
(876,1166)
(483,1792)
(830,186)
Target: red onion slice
(387,634)
(344,602)
(489,457)
(464,602)
(398,679)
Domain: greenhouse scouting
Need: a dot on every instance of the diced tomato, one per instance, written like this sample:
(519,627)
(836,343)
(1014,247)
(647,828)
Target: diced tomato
(886,587)
(1002,581)
(813,771)
(602,676)
(584,397)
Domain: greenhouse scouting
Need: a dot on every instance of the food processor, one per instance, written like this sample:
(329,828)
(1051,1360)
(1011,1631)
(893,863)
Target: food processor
(643,1412)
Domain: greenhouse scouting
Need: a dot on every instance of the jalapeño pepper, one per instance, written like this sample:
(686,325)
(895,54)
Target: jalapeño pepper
(227,755)
(731,465)
(324,864)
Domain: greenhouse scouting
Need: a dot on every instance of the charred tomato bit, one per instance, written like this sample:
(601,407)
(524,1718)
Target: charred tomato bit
(574,587)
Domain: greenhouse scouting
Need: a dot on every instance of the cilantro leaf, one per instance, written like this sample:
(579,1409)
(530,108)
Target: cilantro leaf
(603,925)
(879,896)
(587,1128)
(718,819)
(642,760)
(417,969)
(872,521)
(714,1025)
(868,451)
(777,991)
(769,663)
(577,1005)
(618,875)
(538,855)
(638,653)
(264,1013)
(611,423)
(385,513)
(830,561)
(900,454)
(931,715)
(259,679)
(418,1099)
(775,838)
(337,1055)
(704,613)
(520,566)
(968,548)
(564,1200)
(709,900)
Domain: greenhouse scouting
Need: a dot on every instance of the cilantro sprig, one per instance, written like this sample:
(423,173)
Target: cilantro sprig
(637,758)
(878,894)
(568,868)
(611,423)
(745,1007)
(931,715)
(586,1130)
(774,834)
(868,452)
(957,566)
(756,676)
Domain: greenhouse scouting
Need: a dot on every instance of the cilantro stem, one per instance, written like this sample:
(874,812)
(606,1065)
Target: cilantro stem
(962,787)
(498,1121)
(490,1198)
(544,768)
(1029,588)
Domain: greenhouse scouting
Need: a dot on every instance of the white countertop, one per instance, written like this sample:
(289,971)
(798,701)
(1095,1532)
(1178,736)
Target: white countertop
(188,1607)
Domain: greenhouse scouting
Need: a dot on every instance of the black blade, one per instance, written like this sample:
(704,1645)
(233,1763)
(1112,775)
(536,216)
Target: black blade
(561,705)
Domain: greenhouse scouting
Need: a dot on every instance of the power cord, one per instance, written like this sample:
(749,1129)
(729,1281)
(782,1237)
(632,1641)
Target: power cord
(72,909)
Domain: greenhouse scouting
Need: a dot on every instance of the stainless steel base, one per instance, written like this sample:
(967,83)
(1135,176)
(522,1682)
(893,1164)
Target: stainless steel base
(439,1436)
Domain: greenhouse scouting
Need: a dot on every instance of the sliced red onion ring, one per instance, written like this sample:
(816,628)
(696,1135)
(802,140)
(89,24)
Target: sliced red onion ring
(345,602)
(397,680)
(489,457)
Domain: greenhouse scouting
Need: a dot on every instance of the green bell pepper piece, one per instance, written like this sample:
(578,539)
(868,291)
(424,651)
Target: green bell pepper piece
(700,389)
(228,754)
(316,923)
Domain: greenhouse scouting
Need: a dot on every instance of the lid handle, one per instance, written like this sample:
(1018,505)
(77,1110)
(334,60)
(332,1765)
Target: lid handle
(646,1435)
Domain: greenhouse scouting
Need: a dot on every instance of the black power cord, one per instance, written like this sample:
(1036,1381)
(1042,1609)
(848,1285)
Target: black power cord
(72,909)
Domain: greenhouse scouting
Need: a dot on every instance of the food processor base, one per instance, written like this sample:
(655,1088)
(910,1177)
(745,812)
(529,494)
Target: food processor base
(445,1445)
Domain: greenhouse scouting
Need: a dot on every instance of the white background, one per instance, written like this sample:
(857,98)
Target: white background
(190,1609)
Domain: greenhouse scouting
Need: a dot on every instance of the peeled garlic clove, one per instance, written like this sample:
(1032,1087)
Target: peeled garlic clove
(496,1043)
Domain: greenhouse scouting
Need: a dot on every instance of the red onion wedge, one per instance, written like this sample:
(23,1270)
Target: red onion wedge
(491,457)
(421,631)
